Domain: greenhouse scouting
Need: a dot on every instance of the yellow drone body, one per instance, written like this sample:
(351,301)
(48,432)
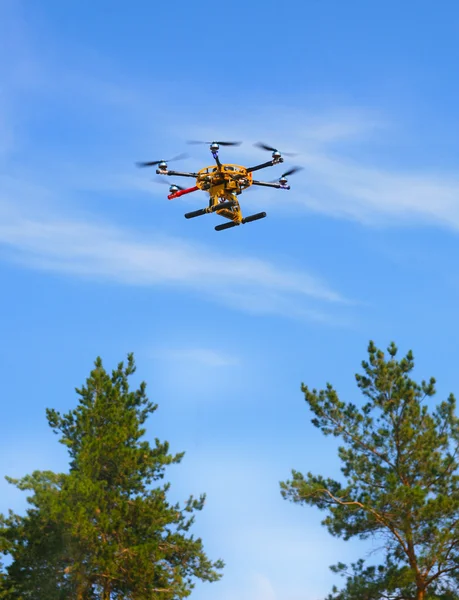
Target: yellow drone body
(224,184)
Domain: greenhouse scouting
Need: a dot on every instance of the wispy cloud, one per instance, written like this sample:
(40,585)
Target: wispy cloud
(255,586)
(377,196)
(202,356)
(196,372)
(104,252)
(244,508)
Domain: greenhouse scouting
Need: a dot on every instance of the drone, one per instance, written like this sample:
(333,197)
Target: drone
(224,183)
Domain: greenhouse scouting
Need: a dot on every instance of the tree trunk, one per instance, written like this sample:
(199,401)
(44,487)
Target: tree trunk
(80,592)
(106,591)
(420,593)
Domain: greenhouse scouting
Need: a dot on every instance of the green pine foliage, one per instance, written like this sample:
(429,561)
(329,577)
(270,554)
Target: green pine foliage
(106,529)
(400,481)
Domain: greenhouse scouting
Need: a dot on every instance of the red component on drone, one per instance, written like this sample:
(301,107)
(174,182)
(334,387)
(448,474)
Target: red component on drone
(182,192)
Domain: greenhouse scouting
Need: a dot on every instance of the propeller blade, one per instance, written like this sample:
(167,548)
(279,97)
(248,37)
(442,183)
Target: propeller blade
(271,149)
(156,162)
(168,183)
(291,171)
(179,157)
(148,164)
(215,142)
(264,147)
(287,174)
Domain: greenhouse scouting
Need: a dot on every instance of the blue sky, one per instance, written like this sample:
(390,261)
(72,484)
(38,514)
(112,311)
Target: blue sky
(225,326)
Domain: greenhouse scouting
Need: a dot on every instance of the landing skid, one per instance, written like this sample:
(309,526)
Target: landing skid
(225,208)
(251,218)
(248,219)
(214,208)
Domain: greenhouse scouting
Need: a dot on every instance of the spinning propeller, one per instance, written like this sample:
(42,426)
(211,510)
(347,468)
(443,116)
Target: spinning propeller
(212,143)
(173,187)
(275,151)
(215,147)
(283,178)
(161,163)
(290,172)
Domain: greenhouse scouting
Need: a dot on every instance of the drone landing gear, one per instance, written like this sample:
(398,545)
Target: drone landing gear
(251,218)
(248,219)
(196,213)
(226,226)
(214,208)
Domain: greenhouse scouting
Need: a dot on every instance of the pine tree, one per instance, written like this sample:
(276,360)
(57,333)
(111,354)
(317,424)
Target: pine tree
(110,531)
(37,543)
(400,481)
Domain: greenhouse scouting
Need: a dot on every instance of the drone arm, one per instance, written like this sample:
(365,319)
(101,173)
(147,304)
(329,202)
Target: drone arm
(182,193)
(272,185)
(270,163)
(176,173)
(217,160)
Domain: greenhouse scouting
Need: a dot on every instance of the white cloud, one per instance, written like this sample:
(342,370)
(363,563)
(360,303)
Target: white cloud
(339,125)
(203,356)
(197,373)
(262,588)
(271,546)
(103,252)
(377,196)
(255,586)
